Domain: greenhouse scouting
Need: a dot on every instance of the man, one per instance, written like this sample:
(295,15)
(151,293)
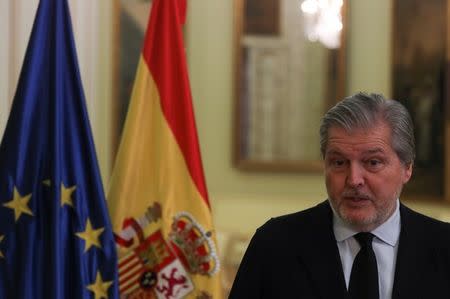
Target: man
(367,143)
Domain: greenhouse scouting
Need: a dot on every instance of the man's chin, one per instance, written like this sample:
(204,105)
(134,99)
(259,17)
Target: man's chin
(360,219)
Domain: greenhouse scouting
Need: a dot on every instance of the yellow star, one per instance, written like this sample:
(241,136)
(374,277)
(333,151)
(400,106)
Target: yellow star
(1,239)
(47,183)
(66,194)
(100,288)
(91,235)
(19,204)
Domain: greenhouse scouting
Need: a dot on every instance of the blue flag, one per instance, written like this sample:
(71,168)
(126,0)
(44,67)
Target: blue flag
(55,234)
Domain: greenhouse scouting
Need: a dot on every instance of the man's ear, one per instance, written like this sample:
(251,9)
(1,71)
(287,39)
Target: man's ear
(408,173)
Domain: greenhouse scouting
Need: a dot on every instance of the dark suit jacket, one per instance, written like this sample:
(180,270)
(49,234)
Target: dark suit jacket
(296,256)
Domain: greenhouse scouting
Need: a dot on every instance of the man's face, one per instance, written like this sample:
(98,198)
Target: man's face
(363,175)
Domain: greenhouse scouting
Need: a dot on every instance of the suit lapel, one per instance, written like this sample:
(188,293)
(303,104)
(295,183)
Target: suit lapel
(320,255)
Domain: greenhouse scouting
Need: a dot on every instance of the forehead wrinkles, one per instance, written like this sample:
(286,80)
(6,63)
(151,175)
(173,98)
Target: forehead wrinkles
(365,142)
(379,131)
(355,142)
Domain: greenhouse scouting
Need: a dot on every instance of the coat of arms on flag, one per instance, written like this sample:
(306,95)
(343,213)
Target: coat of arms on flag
(160,268)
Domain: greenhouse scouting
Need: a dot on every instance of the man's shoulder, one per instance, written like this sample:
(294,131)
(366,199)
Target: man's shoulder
(412,216)
(299,222)
(424,225)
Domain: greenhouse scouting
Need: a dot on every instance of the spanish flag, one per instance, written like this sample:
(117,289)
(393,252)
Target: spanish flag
(158,198)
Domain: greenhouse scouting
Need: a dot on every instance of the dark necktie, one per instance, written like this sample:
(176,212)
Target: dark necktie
(364,276)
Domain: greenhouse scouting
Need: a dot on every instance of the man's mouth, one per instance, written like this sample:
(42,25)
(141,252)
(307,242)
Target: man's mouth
(356,198)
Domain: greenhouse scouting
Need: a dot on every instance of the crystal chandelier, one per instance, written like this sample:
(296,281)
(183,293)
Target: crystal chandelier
(323,21)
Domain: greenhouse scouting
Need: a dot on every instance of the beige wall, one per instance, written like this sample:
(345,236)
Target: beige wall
(368,46)
(242,201)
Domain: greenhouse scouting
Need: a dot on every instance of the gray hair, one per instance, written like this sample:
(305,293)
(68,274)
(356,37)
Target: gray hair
(364,110)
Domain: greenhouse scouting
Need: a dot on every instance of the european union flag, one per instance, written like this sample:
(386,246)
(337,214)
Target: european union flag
(55,234)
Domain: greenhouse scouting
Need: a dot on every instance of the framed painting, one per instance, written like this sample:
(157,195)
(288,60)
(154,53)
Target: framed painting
(284,83)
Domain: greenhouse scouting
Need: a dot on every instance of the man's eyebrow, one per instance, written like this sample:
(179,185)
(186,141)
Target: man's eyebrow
(374,151)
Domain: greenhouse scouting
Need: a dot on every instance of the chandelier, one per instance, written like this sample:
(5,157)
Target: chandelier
(323,21)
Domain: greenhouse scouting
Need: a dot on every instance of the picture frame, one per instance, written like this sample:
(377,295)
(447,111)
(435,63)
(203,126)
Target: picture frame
(283,85)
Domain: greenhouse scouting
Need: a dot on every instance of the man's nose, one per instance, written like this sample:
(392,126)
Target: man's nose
(355,176)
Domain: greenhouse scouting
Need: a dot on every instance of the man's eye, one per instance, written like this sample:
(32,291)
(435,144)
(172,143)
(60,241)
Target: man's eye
(338,163)
(374,163)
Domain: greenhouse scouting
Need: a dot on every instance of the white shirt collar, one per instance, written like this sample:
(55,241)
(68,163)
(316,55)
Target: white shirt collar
(388,232)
